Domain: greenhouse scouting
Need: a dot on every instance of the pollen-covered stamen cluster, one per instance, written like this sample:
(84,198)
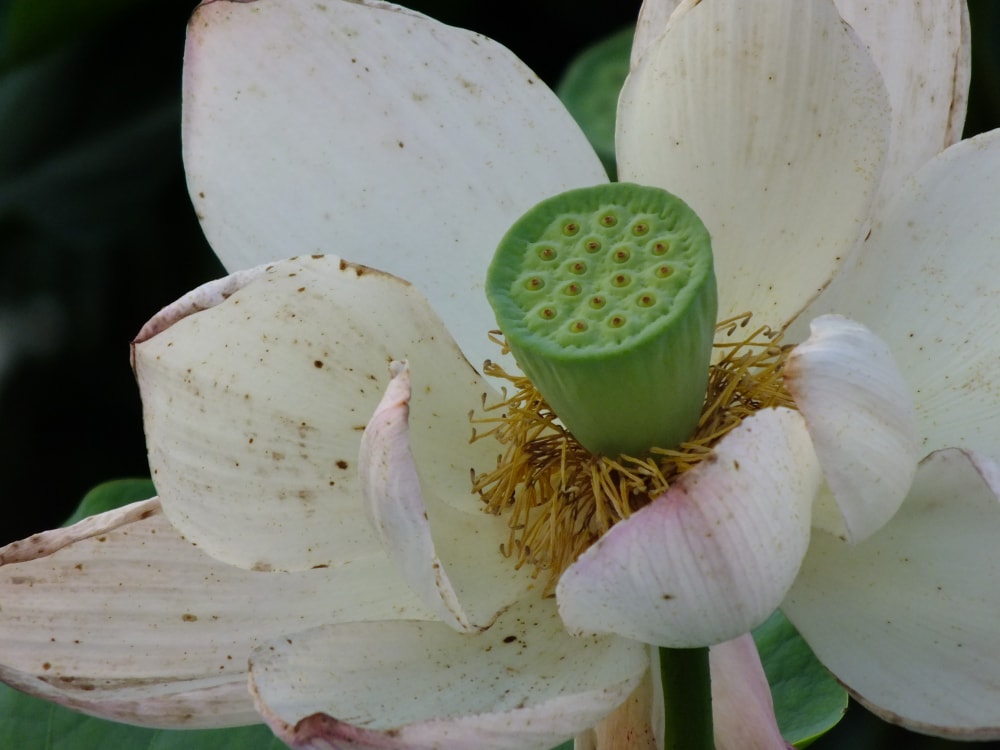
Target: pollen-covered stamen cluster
(560,498)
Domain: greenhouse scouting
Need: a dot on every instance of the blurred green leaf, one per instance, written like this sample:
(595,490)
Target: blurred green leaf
(33,27)
(27,722)
(111,495)
(94,180)
(808,701)
(590,89)
(984,91)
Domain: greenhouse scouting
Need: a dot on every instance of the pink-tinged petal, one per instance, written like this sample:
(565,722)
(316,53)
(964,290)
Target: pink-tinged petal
(458,572)
(861,421)
(928,284)
(923,53)
(742,707)
(712,557)
(119,616)
(522,684)
(772,122)
(907,619)
(205,296)
(637,724)
(254,411)
(373,132)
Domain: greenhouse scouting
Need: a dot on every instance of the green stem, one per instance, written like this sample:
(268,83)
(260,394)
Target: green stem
(687,699)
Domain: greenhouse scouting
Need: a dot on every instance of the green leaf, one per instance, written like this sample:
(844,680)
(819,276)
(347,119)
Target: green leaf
(33,723)
(590,89)
(111,495)
(808,701)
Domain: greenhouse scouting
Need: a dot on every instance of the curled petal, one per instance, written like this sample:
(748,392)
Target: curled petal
(860,416)
(713,556)
(368,130)
(907,619)
(119,616)
(922,51)
(458,573)
(928,284)
(738,108)
(521,684)
(254,410)
(742,707)
(205,296)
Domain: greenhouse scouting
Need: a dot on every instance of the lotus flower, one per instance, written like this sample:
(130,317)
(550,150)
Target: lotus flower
(315,512)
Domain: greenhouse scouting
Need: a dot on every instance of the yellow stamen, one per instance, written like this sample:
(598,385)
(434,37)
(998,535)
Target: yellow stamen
(560,498)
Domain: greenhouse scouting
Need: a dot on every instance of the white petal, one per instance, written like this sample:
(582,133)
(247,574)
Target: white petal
(771,121)
(928,284)
(922,50)
(711,558)
(652,22)
(121,617)
(908,619)
(860,418)
(522,684)
(742,707)
(459,573)
(254,411)
(375,133)
(205,296)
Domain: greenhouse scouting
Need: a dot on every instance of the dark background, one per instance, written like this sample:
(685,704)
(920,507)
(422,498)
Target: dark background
(97,233)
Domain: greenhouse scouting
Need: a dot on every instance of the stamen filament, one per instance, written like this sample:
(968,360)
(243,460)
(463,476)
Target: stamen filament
(560,498)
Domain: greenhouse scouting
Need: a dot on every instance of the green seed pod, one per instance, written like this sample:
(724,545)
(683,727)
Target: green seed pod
(607,298)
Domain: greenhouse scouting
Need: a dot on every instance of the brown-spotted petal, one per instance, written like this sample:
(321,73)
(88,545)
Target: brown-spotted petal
(369,130)
(523,684)
(122,617)
(254,410)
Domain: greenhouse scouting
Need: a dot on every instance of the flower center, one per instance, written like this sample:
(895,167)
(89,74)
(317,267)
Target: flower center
(606,297)
(560,498)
